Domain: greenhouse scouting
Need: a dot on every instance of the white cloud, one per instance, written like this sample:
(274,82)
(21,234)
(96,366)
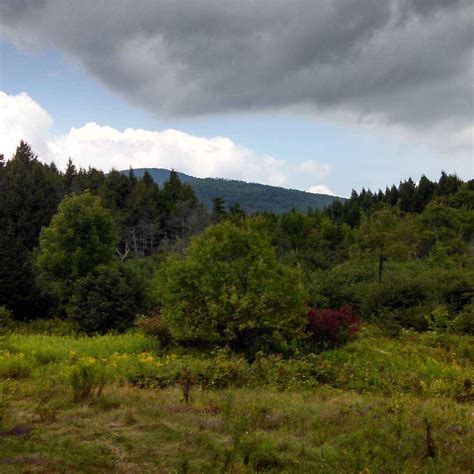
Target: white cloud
(105,148)
(21,118)
(314,169)
(321,189)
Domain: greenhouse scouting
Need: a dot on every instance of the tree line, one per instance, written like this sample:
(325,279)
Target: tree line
(100,249)
(146,218)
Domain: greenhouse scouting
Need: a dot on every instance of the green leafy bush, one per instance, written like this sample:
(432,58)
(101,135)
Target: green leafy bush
(230,289)
(464,322)
(109,297)
(401,299)
(80,237)
(6,319)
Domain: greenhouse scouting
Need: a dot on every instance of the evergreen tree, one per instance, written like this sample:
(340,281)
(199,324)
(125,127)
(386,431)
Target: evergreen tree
(115,191)
(132,177)
(175,191)
(218,209)
(70,175)
(90,179)
(391,196)
(335,210)
(423,194)
(18,289)
(30,192)
(142,229)
(448,184)
(236,212)
(406,194)
(352,214)
(171,190)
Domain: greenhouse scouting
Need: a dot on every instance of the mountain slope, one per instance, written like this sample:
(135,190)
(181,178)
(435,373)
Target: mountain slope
(252,197)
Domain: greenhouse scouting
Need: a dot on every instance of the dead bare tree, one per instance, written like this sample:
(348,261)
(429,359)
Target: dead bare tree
(123,255)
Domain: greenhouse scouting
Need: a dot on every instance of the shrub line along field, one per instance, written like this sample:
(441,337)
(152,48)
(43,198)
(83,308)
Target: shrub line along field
(116,403)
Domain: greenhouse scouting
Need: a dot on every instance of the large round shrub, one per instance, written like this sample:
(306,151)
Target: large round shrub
(80,237)
(109,297)
(230,289)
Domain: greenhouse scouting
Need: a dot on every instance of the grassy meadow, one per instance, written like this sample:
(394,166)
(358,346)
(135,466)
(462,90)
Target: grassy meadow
(117,403)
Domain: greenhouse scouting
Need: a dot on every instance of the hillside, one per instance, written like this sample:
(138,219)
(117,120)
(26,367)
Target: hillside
(252,197)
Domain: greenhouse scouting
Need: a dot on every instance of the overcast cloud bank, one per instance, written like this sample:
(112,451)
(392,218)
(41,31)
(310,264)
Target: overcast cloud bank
(400,61)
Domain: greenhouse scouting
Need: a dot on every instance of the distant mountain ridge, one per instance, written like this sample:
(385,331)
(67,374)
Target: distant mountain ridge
(252,197)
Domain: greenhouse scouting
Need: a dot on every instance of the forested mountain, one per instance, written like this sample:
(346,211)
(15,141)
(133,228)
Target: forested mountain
(252,197)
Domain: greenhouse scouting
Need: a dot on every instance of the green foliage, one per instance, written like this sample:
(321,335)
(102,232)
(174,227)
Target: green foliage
(5,406)
(439,320)
(81,237)
(342,284)
(387,232)
(45,349)
(464,321)
(14,366)
(417,238)
(108,297)
(30,192)
(85,376)
(430,364)
(230,289)
(400,300)
(6,320)
(50,326)
(218,209)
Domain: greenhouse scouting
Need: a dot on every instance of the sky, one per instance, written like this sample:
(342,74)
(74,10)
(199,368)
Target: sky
(321,96)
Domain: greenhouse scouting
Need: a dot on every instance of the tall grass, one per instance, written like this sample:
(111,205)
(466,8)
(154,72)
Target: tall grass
(115,404)
(44,348)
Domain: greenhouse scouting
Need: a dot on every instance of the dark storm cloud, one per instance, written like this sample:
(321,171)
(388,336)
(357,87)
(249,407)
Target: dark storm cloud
(404,61)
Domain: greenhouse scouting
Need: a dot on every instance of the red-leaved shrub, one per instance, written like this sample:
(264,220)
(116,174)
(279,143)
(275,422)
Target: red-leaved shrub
(332,326)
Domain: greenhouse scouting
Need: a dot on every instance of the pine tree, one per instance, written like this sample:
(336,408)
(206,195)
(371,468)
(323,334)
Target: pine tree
(406,194)
(131,176)
(70,174)
(424,193)
(30,192)
(236,212)
(218,209)
(392,195)
(171,189)
(142,224)
(448,184)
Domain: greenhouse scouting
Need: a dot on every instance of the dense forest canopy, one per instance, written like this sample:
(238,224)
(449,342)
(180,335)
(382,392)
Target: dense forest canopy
(69,240)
